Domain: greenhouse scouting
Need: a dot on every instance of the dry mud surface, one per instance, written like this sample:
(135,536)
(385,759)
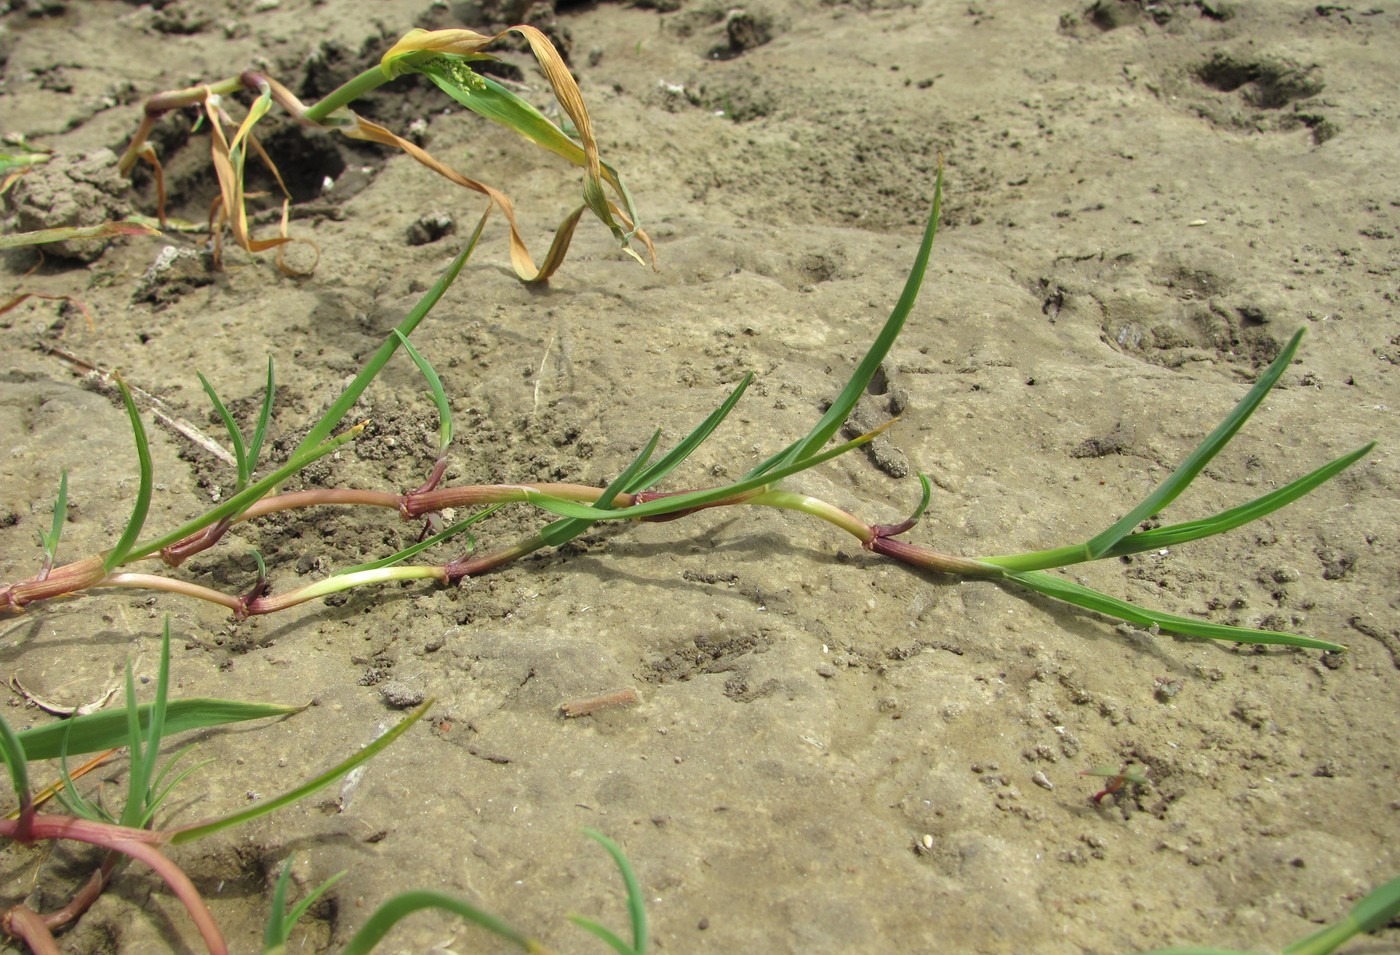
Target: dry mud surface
(831,753)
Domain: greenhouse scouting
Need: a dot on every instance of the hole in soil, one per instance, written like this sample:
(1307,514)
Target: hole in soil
(1265,84)
(304,157)
(879,382)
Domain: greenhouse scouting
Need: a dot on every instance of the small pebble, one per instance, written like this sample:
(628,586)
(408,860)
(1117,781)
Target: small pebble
(1041,780)
(401,695)
(430,228)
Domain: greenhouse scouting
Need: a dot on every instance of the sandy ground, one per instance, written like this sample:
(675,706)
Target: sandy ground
(831,753)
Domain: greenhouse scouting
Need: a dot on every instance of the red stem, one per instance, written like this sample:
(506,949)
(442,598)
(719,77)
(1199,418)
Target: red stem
(926,559)
(139,844)
(28,926)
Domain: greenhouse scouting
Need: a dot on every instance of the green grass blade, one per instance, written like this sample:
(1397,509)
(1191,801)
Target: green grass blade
(1237,516)
(160,789)
(235,436)
(60,516)
(636,901)
(279,927)
(1187,471)
(105,230)
(155,729)
(557,533)
(294,916)
(202,829)
(342,405)
(423,545)
(264,416)
(658,471)
(17,760)
(20,156)
(1377,909)
(281,922)
(69,797)
(401,906)
(638,477)
(117,555)
(140,761)
(845,403)
(925,499)
(1373,912)
(1061,589)
(490,100)
(94,732)
(681,502)
(1174,534)
(607,936)
(144,749)
(247,497)
(435,386)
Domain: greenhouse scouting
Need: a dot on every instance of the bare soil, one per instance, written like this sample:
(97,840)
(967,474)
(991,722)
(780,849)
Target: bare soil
(830,753)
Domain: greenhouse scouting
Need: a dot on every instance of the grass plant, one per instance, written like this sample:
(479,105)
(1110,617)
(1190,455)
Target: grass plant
(631,497)
(127,834)
(443,56)
(446,58)
(402,906)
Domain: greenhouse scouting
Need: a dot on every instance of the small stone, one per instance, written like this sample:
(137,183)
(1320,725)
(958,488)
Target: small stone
(1043,781)
(401,695)
(1252,711)
(430,228)
(746,30)
(173,273)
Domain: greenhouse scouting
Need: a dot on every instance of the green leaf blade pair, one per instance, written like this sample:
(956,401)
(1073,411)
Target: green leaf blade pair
(342,405)
(638,477)
(636,903)
(378,926)
(692,499)
(414,550)
(245,456)
(282,921)
(247,497)
(491,101)
(1186,531)
(1187,471)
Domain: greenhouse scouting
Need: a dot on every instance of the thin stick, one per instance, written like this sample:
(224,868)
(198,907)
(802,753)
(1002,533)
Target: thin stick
(578,708)
(158,409)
